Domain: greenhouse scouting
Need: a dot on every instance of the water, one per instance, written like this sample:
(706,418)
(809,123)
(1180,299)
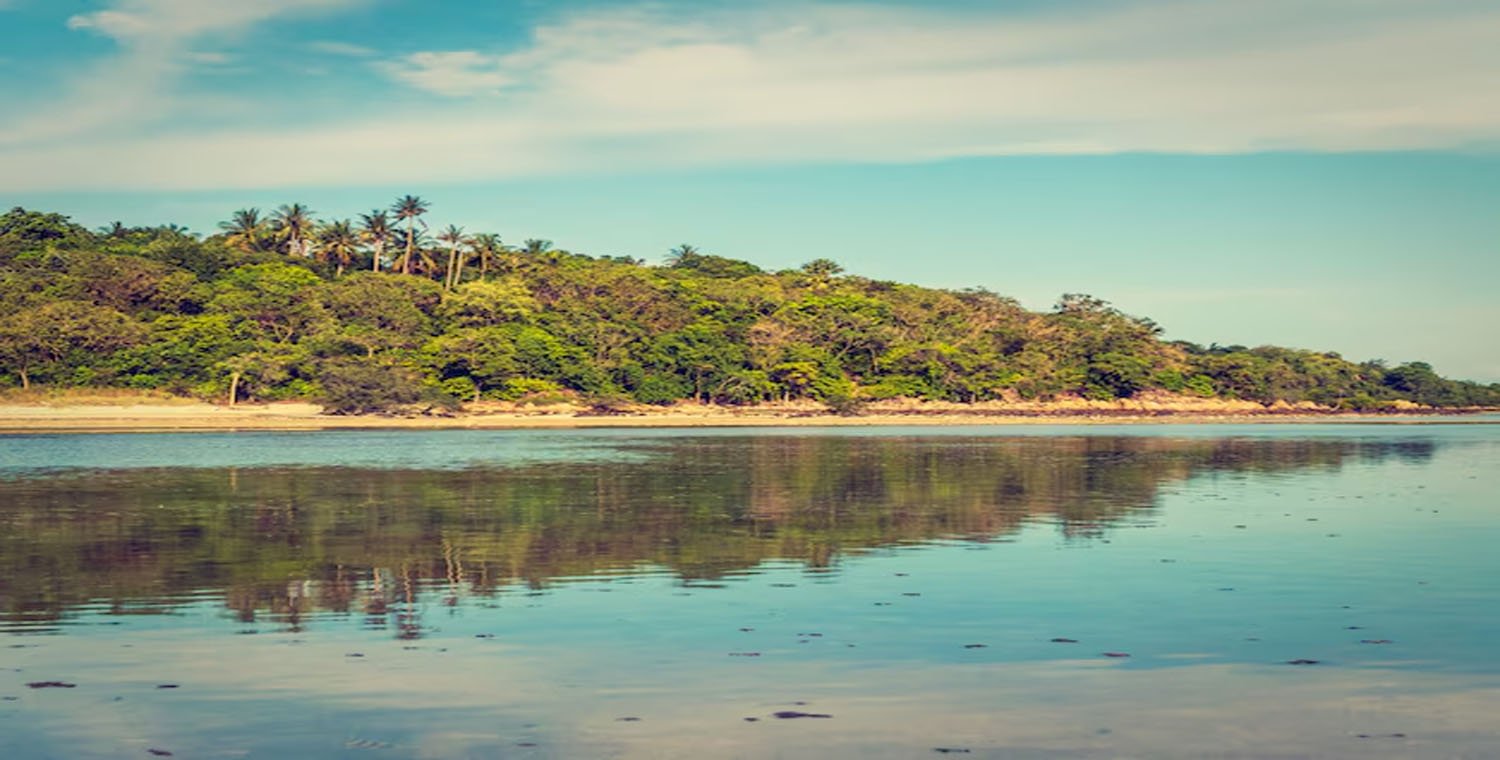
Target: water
(649,593)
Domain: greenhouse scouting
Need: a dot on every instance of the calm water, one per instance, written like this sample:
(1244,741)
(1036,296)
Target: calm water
(666,594)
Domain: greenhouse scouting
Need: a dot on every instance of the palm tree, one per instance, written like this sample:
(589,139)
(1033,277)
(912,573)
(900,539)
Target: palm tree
(456,240)
(409,208)
(375,229)
(489,247)
(820,272)
(535,247)
(683,256)
(337,240)
(294,224)
(245,230)
(115,230)
(422,261)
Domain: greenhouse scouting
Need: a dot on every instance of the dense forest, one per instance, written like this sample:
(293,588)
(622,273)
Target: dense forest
(381,312)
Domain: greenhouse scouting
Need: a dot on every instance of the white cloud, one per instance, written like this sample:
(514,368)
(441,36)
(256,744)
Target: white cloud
(617,90)
(174,20)
(135,84)
(455,74)
(112,24)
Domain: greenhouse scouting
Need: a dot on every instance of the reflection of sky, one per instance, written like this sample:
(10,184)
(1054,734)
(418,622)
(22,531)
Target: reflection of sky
(1395,549)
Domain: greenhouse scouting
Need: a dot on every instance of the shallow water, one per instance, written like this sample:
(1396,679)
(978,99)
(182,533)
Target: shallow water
(649,593)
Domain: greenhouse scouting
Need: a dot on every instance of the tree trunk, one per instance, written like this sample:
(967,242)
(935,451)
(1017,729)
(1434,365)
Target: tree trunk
(411,242)
(375,259)
(25,379)
(234,387)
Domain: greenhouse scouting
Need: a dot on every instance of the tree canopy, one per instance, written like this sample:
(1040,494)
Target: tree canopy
(287,306)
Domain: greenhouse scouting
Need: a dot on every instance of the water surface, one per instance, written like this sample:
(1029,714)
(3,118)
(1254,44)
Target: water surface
(667,593)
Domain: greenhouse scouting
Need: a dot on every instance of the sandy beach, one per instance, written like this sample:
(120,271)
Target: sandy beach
(187,416)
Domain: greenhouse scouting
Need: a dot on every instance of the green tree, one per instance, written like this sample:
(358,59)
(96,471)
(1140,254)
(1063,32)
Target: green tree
(269,301)
(375,231)
(457,241)
(293,226)
(44,338)
(338,241)
(488,302)
(246,231)
(410,209)
(374,313)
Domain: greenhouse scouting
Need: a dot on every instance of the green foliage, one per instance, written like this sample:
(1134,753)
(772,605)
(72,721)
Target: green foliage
(361,387)
(491,302)
(22,230)
(285,306)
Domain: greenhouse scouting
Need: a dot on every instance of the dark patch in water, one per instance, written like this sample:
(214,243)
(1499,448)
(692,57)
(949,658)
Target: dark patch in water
(1303,661)
(789,714)
(1116,654)
(167,686)
(1063,640)
(975,646)
(51,685)
(744,654)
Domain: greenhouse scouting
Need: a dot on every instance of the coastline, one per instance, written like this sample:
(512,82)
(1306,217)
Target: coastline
(168,417)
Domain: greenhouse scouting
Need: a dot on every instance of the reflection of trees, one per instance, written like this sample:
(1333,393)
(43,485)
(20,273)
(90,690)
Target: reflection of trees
(286,542)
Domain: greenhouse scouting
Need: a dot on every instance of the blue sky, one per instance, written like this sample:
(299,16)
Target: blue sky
(1322,174)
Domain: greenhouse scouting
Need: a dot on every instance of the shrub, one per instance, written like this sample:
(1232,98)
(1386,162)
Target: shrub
(362,387)
(844,405)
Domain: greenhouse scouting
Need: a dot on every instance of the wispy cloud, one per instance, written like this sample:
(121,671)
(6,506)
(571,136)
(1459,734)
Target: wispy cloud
(621,89)
(455,73)
(346,49)
(154,39)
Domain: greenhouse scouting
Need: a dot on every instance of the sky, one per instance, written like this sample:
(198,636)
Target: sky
(1321,174)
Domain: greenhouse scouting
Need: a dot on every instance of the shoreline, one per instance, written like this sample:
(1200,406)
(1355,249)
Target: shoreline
(127,418)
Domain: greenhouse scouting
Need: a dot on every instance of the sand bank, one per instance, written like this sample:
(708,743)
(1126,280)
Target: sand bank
(302,416)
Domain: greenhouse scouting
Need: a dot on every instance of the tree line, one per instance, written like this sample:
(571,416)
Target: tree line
(378,312)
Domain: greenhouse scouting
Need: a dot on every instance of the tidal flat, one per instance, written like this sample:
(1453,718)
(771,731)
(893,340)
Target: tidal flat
(1208,590)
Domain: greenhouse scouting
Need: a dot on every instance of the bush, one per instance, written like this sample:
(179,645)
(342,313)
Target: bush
(361,387)
(609,405)
(1199,385)
(844,405)
(1364,402)
(460,388)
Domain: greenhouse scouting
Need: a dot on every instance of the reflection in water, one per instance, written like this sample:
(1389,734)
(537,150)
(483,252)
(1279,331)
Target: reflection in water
(667,595)
(285,543)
